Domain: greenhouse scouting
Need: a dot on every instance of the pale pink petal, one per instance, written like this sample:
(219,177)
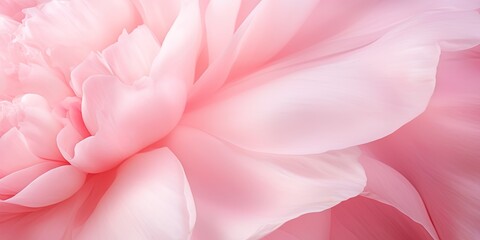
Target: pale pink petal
(361,218)
(75,27)
(388,186)
(131,57)
(268,19)
(439,151)
(181,47)
(149,199)
(316,106)
(158,15)
(14,182)
(245,195)
(58,221)
(93,64)
(52,187)
(43,81)
(39,127)
(312,226)
(250,46)
(14,153)
(124,119)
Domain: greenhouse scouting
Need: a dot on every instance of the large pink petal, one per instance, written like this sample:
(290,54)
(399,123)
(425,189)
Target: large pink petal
(315,107)
(439,152)
(149,199)
(244,195)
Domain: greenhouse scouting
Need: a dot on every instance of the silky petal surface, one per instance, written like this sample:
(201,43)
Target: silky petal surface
(311,226)
(315,107)
(149,199)
(439,151)
(386,185)
(245,195)
(66,180)
(362,218)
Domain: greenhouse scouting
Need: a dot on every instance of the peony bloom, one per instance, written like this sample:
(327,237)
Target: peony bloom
(253,119)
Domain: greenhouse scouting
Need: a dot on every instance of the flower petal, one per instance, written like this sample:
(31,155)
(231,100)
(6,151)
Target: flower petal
(336,103)
(77,27)
(312,226)
(124,119)
(52,187)
(15,182)
(439,151)
(388,186)
(149,199)
(14,153)
(361,218)
(139,47)
(244,195)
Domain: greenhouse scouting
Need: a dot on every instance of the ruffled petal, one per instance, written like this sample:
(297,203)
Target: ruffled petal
(77,27)
(244,195)
(149,199)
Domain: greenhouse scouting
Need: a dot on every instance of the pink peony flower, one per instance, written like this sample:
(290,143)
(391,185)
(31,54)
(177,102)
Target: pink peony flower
(254,119)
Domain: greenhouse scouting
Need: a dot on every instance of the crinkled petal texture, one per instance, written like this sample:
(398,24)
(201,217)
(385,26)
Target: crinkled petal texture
(246,195)
(439,152)
(298,107)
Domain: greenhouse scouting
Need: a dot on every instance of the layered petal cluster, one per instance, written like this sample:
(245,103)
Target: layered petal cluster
(239,119)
